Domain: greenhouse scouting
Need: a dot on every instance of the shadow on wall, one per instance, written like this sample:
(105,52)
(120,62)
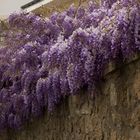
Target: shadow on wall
(114,115)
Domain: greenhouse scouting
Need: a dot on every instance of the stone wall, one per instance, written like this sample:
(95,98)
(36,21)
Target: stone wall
(58,6)
(113,115)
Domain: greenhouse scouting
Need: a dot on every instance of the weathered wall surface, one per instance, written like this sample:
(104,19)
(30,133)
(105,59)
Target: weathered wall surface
(114,115)
(58,6)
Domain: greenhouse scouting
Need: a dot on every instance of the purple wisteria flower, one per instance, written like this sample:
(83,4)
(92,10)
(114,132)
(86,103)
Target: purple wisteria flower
(44,60)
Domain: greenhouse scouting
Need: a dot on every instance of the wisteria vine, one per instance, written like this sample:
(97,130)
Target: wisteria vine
(44,60)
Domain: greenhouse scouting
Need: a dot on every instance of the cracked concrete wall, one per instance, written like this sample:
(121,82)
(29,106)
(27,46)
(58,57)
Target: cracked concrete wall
(113,115)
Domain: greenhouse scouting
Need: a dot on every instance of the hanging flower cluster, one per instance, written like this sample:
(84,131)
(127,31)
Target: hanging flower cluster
(45,60)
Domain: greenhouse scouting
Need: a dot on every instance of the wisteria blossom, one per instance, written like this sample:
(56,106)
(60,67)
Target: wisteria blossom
(44,60)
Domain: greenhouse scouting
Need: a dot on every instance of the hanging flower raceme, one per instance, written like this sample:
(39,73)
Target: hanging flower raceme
(44,60)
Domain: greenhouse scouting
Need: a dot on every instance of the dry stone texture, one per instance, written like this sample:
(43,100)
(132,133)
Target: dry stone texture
(113,115)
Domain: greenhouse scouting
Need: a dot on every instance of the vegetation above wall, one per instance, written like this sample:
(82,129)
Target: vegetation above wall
(44,60)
